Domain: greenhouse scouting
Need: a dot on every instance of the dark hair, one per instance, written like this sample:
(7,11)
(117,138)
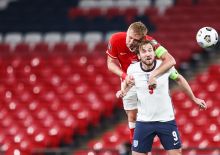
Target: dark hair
(141,46)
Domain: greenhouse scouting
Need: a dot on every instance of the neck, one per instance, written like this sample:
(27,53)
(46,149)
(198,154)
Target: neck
(147,67)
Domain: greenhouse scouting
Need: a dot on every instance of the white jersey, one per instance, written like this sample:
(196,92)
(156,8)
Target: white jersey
(156,106)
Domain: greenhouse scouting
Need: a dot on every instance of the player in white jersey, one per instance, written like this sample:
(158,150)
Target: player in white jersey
(155,111)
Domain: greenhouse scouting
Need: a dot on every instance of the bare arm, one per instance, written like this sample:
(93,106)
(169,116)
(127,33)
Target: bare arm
(181,81)
(113,66)
(168,62)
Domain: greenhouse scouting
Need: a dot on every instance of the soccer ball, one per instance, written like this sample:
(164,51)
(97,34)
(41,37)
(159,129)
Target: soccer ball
(207,37)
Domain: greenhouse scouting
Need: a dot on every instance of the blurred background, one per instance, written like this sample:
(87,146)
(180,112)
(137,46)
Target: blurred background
(57,96)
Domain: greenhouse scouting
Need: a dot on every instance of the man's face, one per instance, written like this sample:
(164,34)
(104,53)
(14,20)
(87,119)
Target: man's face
(133,40)
(147,54)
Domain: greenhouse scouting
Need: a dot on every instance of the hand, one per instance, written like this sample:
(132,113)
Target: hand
(201,103)
(152,83)
(129,80)
(120,94)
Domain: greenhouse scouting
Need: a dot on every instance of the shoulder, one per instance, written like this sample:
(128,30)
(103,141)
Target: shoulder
(153,41)
(149,38)
(118,37)
(134,66)
(159,62)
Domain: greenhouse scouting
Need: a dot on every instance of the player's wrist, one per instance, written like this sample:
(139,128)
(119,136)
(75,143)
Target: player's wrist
(123,76)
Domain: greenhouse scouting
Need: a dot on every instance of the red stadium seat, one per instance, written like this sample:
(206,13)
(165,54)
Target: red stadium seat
(41,48)
(84,152)
(76,12)
(111,140)
(80,48)
(100,48)
(112,12)
(94,12)
(5,49)
(108,152)
(60,48)
(22,49)
(124,132)
(95,144)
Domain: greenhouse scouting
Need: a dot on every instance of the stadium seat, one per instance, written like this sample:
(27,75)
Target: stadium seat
(92,38)
(33,38)
(76,12)
(84,152)
(95,144)
(22,49)
(100,48)
(124,3)
(5,49)
(51,38)
(71,38)
(88,3)
(13,38)
(80,48)
(123,130)
(41,48)
(106,4)
(60,48)
(142,4)
(111,140)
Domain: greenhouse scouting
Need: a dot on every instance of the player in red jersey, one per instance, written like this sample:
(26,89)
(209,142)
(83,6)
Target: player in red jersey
(121,53)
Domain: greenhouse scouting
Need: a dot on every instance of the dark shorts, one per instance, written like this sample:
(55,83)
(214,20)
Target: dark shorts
(146,131)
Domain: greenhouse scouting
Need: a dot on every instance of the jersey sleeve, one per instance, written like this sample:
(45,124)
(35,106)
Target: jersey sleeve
(159,50)
(112,50)
(173,73)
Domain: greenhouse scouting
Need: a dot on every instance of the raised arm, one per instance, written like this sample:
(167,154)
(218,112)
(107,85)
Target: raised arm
(113,66)
(181,81)
(167,62)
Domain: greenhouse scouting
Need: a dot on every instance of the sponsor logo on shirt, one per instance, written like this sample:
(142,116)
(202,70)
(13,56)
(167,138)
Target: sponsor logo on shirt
(122,53)
(135,143)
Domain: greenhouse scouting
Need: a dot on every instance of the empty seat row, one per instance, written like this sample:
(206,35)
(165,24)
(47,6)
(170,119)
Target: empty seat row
(53,37)
(62,48)
(124,3)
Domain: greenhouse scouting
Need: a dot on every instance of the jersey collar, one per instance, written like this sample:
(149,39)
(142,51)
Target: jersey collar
(148,70)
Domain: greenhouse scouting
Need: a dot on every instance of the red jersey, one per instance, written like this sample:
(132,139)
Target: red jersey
(117,49)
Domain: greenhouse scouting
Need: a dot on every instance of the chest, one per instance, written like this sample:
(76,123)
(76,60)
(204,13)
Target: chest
(142,78)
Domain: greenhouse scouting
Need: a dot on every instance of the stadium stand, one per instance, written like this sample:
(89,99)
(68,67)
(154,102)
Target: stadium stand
(54,85)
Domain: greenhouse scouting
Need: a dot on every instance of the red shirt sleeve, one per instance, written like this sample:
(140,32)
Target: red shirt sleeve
(112,50)
(153,42)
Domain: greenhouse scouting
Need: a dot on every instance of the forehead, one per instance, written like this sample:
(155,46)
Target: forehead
(147,47)
(134,34)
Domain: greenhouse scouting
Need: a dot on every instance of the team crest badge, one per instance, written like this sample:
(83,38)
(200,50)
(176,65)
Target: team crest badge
(135,143)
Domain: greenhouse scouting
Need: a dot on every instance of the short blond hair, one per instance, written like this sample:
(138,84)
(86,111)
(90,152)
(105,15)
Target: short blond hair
(139,28)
